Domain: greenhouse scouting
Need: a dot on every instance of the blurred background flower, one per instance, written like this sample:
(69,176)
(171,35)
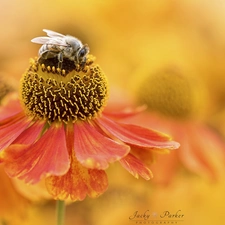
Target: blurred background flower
(136,42)
(12,205)
(177,104)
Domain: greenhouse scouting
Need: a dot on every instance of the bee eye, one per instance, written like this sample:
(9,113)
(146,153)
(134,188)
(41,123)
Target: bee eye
(82,52)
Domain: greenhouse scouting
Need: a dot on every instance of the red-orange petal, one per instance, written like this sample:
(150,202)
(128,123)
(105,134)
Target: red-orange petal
(203,151)
(48,155)
(30,135)
(136,135)
(125,113)
(11,128)
(93,150)
(136,167)
(77,183)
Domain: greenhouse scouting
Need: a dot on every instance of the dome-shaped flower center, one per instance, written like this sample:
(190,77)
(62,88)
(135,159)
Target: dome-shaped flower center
(170,93)
(63,95)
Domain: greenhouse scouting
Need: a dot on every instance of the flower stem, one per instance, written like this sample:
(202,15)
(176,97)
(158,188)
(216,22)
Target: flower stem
(60,212)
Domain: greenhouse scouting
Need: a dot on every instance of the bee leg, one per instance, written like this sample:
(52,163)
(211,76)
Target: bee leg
(83,62)
(60,65)
(76,59)
(60,59)
(76,62)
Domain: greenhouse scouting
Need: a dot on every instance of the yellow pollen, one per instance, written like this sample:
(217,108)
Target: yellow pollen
(66,94)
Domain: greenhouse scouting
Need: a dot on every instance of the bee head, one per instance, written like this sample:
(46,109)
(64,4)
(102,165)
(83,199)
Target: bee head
(83,52)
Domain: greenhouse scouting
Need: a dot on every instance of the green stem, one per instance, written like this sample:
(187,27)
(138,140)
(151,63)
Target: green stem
(60,212)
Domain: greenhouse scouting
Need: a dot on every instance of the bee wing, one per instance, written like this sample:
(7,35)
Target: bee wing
(53,34)
(48,40)
(40,40)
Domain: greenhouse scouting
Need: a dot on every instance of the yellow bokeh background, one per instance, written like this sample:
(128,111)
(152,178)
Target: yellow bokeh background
(132,39)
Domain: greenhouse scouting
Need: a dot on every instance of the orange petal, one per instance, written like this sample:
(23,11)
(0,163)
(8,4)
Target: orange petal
(203,153)
(11,128)
(48,155)
(77,183)
(30,135)
(136,167)
(136,135)
(125,113)
(93,150)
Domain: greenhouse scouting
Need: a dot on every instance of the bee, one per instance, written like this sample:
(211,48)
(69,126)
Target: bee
(61,46)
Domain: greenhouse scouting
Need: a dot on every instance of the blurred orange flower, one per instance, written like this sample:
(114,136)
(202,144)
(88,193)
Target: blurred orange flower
(12,204)
(176,105)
